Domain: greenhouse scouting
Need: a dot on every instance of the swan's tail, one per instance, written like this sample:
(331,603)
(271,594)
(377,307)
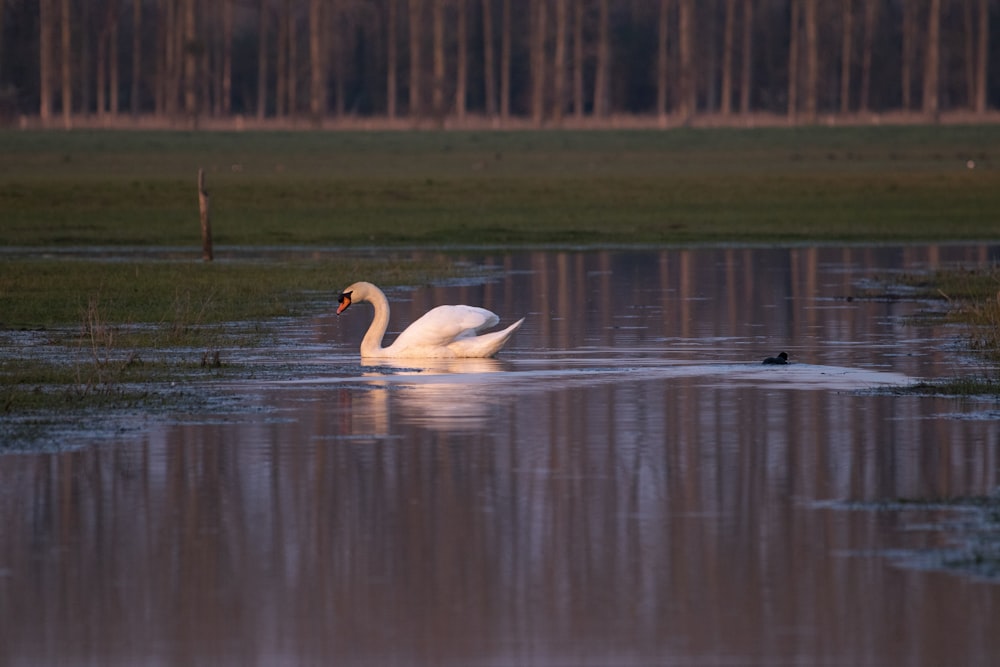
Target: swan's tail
(484,345)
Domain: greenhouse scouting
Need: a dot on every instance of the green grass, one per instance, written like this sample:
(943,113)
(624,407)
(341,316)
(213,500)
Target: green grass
(593,187)
(50,292)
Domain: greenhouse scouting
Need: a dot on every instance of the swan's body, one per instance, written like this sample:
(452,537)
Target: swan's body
(445,331)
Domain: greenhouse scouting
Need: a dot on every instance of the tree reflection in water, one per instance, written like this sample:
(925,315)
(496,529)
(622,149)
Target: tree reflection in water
(625,485)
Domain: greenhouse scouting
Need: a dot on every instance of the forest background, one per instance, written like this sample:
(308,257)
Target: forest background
(495,63)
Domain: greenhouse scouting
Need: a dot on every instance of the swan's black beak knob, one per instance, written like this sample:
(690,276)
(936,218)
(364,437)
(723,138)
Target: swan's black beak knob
(344,300)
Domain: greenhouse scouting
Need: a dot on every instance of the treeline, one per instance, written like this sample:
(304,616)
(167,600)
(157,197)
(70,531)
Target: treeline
(543,62)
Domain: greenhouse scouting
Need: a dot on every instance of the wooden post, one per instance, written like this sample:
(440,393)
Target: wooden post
(206,222)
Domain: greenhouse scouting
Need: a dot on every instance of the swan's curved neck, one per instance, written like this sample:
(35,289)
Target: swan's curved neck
(371,344)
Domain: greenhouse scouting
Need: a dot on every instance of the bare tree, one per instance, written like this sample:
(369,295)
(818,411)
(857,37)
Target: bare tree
(317,91)
(812,60)
(505,61)
(101,65)
(871,21)
(112,18)
(2,41)
(281,63)
(538,60)
(462,66)
(662,58)
(578,59)
(45,22)
(292,78)
(602,74)
(416,108)
(793,62)
(932,61)
(909,42)
(262,59)
(747,62)
(489,74)
(727,57)
(190,61)
(227,57)
(846,43)
(391,57)
(982,55)
(559,65)
(688,97)
(437,92)
(136,55)
(66,52)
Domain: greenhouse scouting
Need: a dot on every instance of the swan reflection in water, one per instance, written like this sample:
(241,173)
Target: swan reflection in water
(441,394)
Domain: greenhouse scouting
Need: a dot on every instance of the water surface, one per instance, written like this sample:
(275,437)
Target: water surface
(624,485)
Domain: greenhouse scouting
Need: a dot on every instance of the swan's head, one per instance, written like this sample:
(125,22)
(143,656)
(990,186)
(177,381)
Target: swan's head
(344,300)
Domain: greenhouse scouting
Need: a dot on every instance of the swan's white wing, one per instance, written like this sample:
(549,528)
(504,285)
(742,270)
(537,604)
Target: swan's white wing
(442,325)
(485,345)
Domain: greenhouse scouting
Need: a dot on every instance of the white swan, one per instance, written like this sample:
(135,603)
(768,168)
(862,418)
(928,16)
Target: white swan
(445,331)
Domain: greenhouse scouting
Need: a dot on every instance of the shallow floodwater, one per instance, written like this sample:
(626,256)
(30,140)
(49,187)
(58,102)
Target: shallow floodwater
(624,485)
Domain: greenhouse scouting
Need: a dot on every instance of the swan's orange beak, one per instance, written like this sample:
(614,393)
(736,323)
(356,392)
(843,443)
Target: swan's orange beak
(344,300)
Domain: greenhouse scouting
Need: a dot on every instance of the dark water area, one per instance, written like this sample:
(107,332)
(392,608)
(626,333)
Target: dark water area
(625,484)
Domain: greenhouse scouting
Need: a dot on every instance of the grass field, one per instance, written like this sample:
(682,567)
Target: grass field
(591,187)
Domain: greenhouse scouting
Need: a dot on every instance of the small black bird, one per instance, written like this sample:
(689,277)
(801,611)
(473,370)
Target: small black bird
(781,359)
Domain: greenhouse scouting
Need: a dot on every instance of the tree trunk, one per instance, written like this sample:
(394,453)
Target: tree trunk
(101,66)
(871,19)
(190,62)
(416,108)
(812,61)
(662,55)
(969,60)
(745,79)
(489,74)
(793,63)
(67,70)
(390,56)
(688,95)
(601,76)
(46,18)
(281,63)
(982,55)
(538,61)
(932,62)
(159,62)
(437,92)
(578,59)
(462,64)
(180,51)
(909,41)
(262,59)
(559,66)
(727,58)
(317,98)
(293,59)
(505,61)
(340,37)
(113,57)
(2,41)
(846,42)
(227,57)
(136,55)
